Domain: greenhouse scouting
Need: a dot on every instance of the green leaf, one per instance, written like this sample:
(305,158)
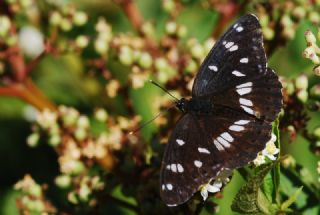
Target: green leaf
(276,170)
(291,200)
(250,199)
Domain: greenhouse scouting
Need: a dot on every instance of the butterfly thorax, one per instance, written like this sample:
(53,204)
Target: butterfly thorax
(195,105)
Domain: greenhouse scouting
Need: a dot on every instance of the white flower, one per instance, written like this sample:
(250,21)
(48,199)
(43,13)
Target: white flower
(210,188)
(269,151)
(260,159)
(271,148)
(222,178)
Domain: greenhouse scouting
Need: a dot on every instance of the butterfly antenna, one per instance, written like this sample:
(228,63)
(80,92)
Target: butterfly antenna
(151,120)
(165,90)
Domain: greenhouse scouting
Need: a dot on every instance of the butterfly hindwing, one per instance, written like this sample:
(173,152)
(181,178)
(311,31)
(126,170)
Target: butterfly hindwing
(180,177)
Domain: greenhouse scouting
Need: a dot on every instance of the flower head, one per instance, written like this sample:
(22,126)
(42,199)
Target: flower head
(269,151)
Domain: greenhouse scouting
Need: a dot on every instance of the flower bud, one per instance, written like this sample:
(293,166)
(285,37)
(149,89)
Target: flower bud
(80,18)
(80,134)
(55,18)
(101,115)
(72,197)
(302,96)
(197,51)
(83,122)
(314,17)
(82,41)
(171,28)
(299,12)
(182,31)
(54,140)
(65,24)
(169,5)
(316,70)
(315,91)
(5,25)
(126,55)
(310,38)
(316,132)
(301,82)
(268,33)
(84,192)
(145,60)
(63,181)
(101,46)
(33,139)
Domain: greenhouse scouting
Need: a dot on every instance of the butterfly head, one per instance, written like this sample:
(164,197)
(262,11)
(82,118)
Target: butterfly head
(182,104)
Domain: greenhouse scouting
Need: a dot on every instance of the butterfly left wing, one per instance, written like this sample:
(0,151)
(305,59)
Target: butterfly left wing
(201,145)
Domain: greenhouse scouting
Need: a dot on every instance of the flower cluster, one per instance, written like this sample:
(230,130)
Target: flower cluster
(312,51)
(33,199)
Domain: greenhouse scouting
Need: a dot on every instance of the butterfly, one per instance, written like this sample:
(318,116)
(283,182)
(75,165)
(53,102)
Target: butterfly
(235,98)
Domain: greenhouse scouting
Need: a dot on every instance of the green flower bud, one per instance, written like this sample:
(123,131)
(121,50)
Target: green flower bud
(26,3)
(197,51)
(308,52)
(82,41)
(80,134)
(171,28)
(182,31)
(314,17)
(126,56)
(55,18)
(268,33)
(101,115)
(80,18)
(264,20)
(84,192)
(315,91)
(35,190)
(316,132)
(101,46)
(63,181)
(72,197)
(12,40)
(191,66)
(290,88)
(316,70)
(83,122)
(209,44)
(33,139)
(54,140)
(161,64)
(78,167)
(302,96)
(5,25)
(310,38)
(145,60)
(299,12)
(65,24)
(148,29)
(286,21)
(169,5)
(301,82)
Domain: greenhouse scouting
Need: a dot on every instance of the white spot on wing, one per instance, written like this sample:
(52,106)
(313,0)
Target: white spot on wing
(224,42)
(233,48)
(229,44)
(223,142)
(236,128)
(227,136)
(239,29)
(163,187)
(244,91)
(244,60)
(198,163)
(248,110)
(203,150)
(235,25)
(168,166)
(180,142)
(245,102)
(248,84)
(180,168)
(218,145)
(173,167)
(238,74)
(213,68)
(169,186)
(242,122)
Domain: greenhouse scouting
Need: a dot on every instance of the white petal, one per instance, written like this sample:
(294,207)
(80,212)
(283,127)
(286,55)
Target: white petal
(271,157)
(273,137)
(204,193)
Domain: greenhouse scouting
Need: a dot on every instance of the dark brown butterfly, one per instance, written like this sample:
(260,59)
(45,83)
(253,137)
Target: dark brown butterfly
(235,98)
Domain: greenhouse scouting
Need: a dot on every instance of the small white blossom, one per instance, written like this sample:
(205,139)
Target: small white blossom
(210,188)
(271,148)
(222,178)
(269,151)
